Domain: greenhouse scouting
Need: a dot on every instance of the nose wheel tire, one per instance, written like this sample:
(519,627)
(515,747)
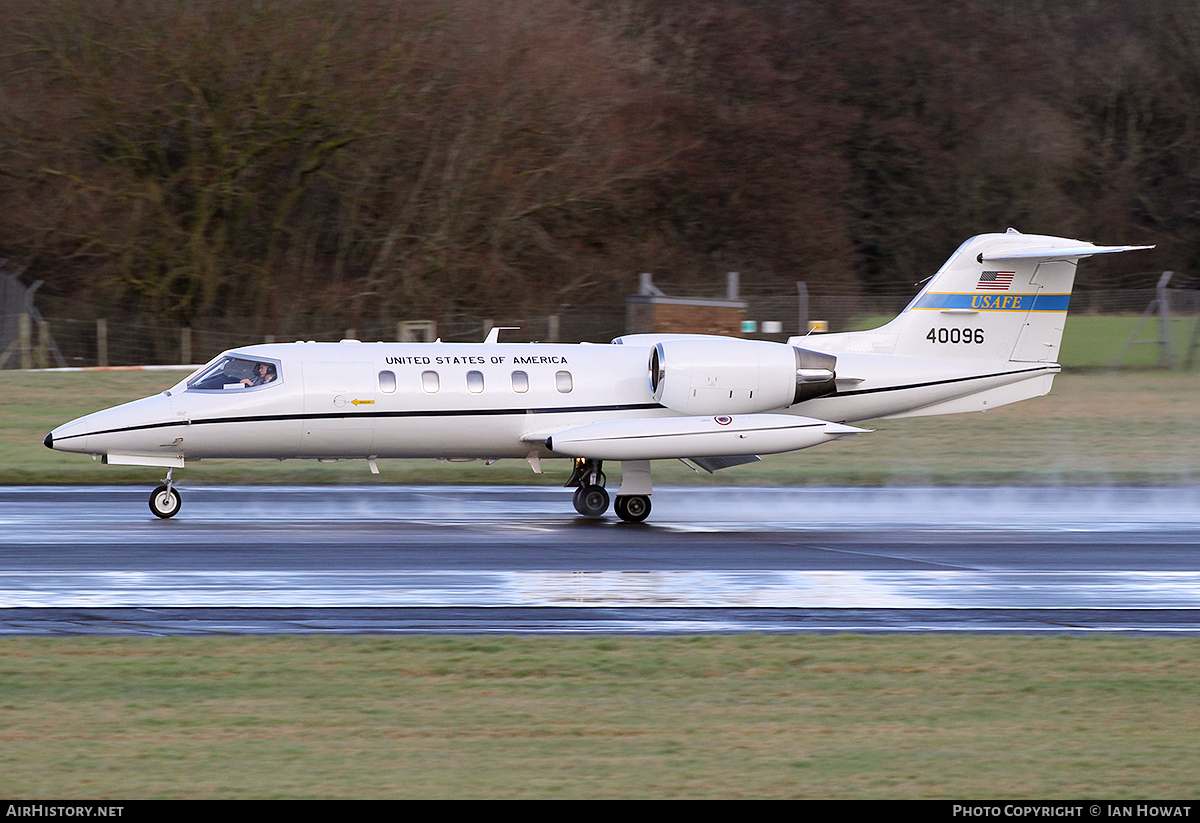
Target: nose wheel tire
(591,501)
(165,502)
(632,508)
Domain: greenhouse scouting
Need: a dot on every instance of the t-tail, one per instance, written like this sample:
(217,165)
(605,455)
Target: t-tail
(984,332)
(1000,297)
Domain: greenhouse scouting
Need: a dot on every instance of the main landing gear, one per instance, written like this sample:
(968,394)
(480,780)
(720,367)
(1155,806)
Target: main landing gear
(591,499)
(632,508)
(165,501)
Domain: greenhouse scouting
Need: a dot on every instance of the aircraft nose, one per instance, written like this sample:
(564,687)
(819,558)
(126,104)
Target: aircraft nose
(69,437)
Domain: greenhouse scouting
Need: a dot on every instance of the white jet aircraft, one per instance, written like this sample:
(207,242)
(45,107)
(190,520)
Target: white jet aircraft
(984,332)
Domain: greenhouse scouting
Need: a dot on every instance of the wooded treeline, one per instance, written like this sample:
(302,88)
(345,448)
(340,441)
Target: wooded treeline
(281,161)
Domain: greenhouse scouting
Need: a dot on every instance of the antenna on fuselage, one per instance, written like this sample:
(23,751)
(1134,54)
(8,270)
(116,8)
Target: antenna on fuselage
(493,335)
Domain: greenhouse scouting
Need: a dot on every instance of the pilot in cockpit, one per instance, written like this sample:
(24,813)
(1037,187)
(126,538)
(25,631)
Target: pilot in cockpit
(263,373)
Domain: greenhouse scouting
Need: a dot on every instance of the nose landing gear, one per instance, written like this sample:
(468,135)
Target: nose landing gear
(165,501)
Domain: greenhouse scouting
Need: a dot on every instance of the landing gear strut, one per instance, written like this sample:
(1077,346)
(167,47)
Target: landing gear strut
(591,500)
(165,501)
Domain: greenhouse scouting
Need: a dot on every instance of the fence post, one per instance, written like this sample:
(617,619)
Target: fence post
(552,329)
(1166,349)
(185,346)
(102,343)
(41,354)
(802,312)
(23,340)
(1161,306)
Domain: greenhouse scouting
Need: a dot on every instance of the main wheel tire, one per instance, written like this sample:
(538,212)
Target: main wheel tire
(165,502)
(632,508)
(591,501)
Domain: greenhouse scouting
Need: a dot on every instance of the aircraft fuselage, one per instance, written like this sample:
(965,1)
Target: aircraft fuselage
(467,400)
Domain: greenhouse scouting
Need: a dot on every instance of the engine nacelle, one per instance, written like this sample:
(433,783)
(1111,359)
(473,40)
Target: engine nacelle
(702,376)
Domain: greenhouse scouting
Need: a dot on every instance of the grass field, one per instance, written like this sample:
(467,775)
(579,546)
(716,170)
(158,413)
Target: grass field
(1096,427)
(796,716)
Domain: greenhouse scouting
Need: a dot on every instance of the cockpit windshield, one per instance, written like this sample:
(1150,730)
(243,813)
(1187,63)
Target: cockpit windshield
(234,373)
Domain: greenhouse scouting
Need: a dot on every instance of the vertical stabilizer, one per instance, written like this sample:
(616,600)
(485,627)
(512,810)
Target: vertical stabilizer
(1000,297)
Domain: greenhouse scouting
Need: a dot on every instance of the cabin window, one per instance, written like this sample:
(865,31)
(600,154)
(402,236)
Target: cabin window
(387,382)
(475,382)
(520,382)
(232,373)
(430,382)
(564,382)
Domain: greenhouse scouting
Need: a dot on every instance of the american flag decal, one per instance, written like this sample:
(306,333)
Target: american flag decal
(996,280)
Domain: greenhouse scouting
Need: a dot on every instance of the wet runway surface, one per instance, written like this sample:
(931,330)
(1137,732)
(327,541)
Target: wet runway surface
(506,559)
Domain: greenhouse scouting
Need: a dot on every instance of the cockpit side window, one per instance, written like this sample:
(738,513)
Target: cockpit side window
(236,373)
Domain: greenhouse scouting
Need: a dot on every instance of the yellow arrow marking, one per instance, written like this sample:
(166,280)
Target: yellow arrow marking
(363,402)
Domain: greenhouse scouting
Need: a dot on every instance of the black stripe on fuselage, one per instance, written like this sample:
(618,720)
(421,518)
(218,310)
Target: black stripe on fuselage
(947,381)
(279,418)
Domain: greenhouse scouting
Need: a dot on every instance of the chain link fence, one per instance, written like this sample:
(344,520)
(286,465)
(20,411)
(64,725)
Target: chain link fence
(89,343)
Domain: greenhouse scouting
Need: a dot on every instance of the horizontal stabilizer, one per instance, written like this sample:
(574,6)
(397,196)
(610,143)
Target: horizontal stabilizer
(1050,253)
